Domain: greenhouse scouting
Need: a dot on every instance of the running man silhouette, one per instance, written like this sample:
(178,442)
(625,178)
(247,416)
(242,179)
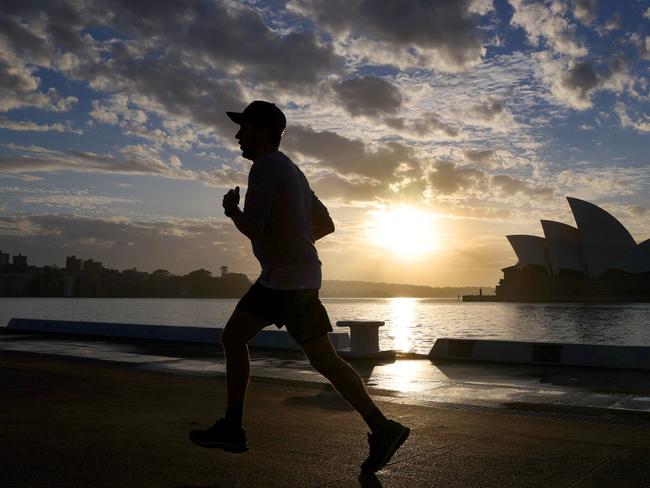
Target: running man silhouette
(283,218)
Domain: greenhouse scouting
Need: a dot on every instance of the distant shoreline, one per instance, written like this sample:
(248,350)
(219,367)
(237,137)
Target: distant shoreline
(106,283)
(367,289)
(324,297)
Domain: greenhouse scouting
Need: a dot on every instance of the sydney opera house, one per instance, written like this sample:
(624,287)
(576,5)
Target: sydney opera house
(596,261)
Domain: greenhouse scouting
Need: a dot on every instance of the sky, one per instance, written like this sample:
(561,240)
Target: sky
(430,129)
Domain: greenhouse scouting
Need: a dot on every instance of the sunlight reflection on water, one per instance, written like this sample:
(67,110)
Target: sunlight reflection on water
(412,324)
(402,312)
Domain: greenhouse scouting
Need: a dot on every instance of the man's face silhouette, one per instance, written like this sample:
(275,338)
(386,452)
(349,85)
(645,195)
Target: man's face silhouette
(253,140)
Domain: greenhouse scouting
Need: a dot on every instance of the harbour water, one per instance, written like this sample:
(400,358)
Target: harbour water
(412,324)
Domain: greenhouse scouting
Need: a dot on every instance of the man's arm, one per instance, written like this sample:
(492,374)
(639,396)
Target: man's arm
(250,227)
(257,204)
(321,222)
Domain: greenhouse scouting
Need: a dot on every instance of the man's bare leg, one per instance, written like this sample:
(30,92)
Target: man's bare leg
(241,328)
(227,432)
(387,435)
(343,377)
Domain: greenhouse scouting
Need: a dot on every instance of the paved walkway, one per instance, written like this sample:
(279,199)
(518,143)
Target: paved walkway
(518,388)
(68,421)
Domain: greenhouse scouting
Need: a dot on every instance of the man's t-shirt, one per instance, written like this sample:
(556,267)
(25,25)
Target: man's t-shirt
(279,195)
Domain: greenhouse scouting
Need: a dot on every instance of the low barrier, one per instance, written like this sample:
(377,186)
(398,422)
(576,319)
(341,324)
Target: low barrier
(266,338)
(592,355)
(364,340)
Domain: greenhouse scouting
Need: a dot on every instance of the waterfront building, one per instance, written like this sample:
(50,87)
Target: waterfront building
(596,260)
(70,286)
(72,264)
(19,284)
(20,262)
(4,260)
(90,266)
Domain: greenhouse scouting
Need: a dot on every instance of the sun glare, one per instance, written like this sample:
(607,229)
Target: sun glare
(407,232)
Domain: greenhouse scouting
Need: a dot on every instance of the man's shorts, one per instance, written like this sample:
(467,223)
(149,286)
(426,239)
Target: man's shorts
(301,311)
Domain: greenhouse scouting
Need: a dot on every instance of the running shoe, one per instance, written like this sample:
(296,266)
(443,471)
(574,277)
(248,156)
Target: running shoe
(221,435)
(383,445)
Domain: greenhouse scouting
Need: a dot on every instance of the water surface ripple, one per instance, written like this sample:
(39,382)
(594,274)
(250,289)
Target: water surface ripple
(412,324)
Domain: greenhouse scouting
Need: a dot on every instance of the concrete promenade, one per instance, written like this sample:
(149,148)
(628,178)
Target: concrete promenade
(73,421)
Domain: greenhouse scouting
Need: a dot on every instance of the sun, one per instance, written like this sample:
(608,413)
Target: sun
(405,231)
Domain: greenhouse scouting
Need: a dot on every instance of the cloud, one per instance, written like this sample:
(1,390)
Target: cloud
(78,201)
(453,126)
(225,35)
(30,43)
(460,183)
(348,156)
(349,189)
(369,96)
(19,88)
(490,113)
(230,37)
(640,123)
(224,177)
(578,81)
(613,22)
(181,61)
(637,210)
(489,213)
(617,76)
(121,110)
(569,84)
(28,126)
(571,76)
(548,23)
(132,159)
(586,11)
(509,186)
(488,110)
(480,7)
(427,126)
(447,178)
(439,35)
(116,110)
(592,182)
(479,155)
(22,49)
(574,83)
(63,197)
(179,245)
(642,45)
(167,87)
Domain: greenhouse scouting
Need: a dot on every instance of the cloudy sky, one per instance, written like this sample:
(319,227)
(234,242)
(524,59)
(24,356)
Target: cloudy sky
(481,115)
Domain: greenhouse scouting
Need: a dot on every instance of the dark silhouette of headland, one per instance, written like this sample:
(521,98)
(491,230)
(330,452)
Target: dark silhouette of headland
(91,279)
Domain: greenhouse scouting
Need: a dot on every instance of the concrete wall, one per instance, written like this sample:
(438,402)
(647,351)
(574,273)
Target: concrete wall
(266,338)
(602,356)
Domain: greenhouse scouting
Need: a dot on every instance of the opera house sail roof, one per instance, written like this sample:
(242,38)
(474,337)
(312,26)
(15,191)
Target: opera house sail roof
(529,249)
(563,244)
(606,244)
(645,246)
(597,245)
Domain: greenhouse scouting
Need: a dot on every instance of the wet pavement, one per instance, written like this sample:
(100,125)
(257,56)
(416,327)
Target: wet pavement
(519,389)
(69,421)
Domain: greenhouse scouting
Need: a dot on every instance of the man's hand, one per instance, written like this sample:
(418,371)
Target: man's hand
(245,223)
(231,201)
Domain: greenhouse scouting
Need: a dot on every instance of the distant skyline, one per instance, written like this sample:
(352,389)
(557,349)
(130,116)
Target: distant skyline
(431,129)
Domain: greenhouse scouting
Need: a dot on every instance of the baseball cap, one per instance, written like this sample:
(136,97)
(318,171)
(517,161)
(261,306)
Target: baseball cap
(261,113)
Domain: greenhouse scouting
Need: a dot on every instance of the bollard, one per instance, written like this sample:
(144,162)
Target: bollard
(364,340)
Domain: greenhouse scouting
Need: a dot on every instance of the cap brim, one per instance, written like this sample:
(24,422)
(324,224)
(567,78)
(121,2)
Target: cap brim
(236,117)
